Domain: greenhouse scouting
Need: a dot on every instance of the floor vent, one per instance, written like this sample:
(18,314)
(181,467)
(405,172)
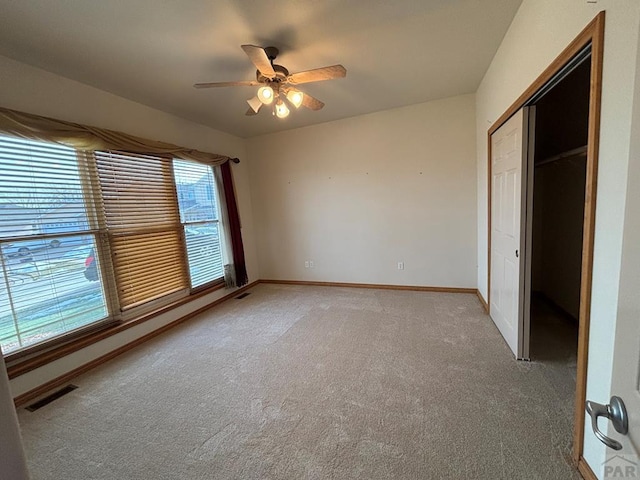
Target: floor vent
(50,398)
(245,294)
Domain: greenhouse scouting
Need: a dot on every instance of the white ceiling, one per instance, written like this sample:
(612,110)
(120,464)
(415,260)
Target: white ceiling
(396,52)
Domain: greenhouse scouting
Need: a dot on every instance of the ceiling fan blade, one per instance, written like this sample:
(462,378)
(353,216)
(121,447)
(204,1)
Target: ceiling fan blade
(259,57)
(318,74)
(248,83)
(311,103)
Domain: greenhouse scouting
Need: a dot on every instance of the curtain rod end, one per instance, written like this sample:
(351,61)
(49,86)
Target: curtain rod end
(235,160)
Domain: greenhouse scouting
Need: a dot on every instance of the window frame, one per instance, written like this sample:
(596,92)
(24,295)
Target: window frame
(32,150)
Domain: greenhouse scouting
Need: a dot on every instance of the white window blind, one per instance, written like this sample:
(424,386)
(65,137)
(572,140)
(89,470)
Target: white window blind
(47,236)
(197,199)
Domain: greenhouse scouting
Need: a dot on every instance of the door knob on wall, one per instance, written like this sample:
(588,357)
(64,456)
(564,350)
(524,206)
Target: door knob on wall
(614,411)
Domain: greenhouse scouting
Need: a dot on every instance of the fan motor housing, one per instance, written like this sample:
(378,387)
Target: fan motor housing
(281,75)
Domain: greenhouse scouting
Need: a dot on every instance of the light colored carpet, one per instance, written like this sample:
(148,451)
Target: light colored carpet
(297,382)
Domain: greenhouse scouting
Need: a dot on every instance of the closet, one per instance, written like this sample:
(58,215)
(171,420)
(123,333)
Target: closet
(561,126)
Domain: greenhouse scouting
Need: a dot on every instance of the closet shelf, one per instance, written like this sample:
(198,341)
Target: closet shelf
(576,152)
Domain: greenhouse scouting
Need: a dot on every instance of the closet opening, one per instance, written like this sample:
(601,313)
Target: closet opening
(559,174)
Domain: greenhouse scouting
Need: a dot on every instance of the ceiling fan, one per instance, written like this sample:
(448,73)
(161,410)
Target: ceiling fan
(277,85)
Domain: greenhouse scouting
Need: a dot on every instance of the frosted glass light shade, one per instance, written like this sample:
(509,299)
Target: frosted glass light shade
(255,104)
(295,97)
(281,110)
(265,94)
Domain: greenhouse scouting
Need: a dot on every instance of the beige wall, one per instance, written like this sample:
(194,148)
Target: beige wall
(36,91)
(359,195)
(539,32)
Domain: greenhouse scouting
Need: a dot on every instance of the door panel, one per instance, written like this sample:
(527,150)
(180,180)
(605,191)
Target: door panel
(511,203)
(510,293)
(508,156)
(496,214)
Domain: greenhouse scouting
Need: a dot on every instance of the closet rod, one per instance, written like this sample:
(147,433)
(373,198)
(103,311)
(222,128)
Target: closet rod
(569,153)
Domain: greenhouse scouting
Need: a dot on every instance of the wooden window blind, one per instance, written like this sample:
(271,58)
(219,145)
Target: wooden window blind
(143,224)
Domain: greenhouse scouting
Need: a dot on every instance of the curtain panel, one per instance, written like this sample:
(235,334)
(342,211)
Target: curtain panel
(235,231)
(82,137)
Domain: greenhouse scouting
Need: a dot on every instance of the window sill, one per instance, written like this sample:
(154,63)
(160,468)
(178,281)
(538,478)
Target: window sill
(27,360)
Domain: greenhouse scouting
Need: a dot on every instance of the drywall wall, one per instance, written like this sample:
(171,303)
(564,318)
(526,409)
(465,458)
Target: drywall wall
(35,91)
(539,32)
(13,464)
(359,195)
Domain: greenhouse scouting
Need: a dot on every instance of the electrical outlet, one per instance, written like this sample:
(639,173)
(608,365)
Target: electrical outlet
(400,265)
(306,264)
(310,263)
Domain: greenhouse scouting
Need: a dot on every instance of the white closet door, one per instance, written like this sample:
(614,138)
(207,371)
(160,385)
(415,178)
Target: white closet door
(508,155)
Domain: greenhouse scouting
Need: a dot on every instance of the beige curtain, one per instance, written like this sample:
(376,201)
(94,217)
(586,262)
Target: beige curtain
(82,137)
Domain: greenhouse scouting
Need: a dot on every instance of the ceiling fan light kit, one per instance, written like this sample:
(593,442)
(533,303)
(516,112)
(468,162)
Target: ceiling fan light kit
(295,97)
(281,110)
(255,103)
(275,83)
(265,95)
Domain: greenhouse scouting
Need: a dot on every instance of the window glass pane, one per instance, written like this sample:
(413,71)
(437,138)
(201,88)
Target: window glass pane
(204,252)
(196,191)
(48,291)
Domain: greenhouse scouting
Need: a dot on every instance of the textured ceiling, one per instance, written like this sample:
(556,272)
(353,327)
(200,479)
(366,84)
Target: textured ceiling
(396,52)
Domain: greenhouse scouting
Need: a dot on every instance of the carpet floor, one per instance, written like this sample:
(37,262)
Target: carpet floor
(298,382)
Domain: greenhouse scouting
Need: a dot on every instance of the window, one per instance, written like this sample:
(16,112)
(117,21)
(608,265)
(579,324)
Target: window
(93,232)
(87,238)
(199,215)
(47,234)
